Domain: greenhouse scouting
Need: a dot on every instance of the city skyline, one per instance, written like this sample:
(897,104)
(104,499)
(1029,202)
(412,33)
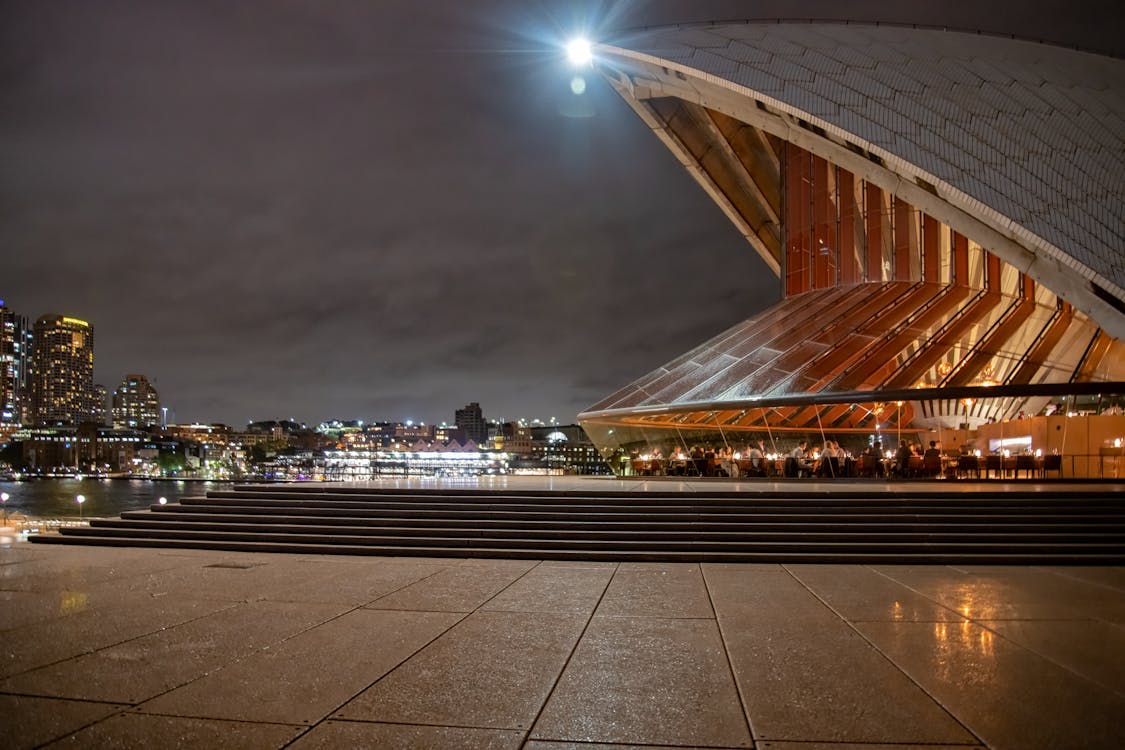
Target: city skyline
(372,212)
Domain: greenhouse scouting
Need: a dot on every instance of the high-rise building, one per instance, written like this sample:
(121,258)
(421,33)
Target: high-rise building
(136,403)
(15,355)
(62,377)
(470,420)
(99,415)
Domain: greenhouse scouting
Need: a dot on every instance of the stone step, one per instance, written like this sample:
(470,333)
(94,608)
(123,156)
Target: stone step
(922,557)
(691,499)
(730,514)
(792,526)
(684,533)
(168,515)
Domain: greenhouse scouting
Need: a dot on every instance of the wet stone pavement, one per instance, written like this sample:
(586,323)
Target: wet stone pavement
(105,647)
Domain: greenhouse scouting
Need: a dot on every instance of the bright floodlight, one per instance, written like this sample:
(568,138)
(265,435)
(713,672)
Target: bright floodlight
(578,51)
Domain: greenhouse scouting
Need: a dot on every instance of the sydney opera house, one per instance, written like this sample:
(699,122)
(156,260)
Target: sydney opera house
(944,212)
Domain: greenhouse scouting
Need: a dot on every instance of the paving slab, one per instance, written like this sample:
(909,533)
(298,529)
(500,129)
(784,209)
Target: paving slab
(348,583)
(647,681)
(1113,578)
(304,678)
(656,590)
(132,731)
(462,588)
(21,608)
(145,667)
(494,669)
(336,734)
(857,592)
(129,616)
(775,745)
(80,568)
(31,722)
(805,674)
(549,745)
(232,578)
(552,589)
(1093,649)
(1008,593)
(1007,695)
(600,565)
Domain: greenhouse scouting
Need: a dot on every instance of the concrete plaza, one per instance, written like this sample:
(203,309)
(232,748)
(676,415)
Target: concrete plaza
(136,647)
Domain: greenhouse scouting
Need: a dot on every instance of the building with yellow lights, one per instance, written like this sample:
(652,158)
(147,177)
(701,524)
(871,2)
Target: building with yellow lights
(62,375)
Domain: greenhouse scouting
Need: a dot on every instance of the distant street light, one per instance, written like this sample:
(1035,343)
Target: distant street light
(80,499)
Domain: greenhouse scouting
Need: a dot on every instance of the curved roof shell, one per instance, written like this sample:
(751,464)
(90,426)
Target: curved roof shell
(1017,143)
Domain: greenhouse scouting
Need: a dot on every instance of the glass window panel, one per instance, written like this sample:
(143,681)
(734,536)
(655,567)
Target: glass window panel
(945,257)
(976,265)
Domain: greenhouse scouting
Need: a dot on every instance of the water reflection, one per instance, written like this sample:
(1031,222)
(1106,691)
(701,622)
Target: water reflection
(54,498)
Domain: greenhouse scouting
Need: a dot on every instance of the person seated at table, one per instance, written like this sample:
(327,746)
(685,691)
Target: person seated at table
(902,460)
(877,451)
(801,458)
(757,454)
(931,460)
(823,465)
(726,465)
(698,460)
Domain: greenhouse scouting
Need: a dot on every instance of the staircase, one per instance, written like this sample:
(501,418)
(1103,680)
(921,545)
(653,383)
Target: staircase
(852,524)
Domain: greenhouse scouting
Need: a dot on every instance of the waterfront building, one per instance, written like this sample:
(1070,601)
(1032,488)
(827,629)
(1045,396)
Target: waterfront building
(470,420)
(62,376)
(450,460)
(944,213)
(15,362)
(136,403)
(87,448)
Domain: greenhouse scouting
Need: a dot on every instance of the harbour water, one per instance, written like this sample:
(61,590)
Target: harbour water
(104,498)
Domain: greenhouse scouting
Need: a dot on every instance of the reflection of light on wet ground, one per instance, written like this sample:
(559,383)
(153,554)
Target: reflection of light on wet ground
(71,602)
(963,651)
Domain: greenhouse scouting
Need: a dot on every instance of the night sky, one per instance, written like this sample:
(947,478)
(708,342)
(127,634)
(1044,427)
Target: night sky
(375,210)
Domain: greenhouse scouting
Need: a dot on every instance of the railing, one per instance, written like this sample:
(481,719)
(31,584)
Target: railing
(1106,464)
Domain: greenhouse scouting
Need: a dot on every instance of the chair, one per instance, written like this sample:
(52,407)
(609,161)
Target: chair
(967,465)
(1052,462)
(1027,465)
(791,469)
(914,466)
(931,464)
(867,466)
(993,463)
